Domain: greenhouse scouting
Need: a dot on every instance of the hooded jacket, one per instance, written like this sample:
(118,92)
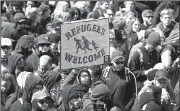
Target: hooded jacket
(71,90)
(149,60)
(23,44)
(24,103)
(12,62)
(50,78)
(33,60)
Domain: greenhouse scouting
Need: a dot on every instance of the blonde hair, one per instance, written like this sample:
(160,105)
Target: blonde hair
(168,11)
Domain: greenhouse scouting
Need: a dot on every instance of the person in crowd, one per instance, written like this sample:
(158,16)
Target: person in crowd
(145,58)
(8,85)
(52,82)
(6,48)
(41,101)
(75,13)
(114,77)
(55,40)
(45,64)
(43,45)
(46,17)
(72,94)
(25,46)
(16,7)
(32,84)
(16,64)
(133,26)
(165,5)
(131,41)
(130,6)
(34,16)
(167,23)
(15,30)
(148,102)
(147,16)
(92,100)
(109,14)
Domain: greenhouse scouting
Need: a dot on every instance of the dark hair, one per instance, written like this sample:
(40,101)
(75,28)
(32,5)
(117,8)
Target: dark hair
(97,71)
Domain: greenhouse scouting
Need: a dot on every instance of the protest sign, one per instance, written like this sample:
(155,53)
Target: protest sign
(84,43)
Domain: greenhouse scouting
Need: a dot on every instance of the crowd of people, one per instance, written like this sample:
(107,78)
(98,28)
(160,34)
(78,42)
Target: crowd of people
(142,73)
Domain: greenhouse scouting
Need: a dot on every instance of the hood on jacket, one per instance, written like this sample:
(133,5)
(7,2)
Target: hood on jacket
(12,62)
(23,44)
(50,78)
(70,91)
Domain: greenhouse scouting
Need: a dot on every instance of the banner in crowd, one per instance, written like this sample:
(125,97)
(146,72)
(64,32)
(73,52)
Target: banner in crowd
(84,43)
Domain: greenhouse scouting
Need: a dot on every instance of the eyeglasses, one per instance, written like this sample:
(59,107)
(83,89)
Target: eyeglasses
(149,16)
(42,101)
(5,47)
(42,45)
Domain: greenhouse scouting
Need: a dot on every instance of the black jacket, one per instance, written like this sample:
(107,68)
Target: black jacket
(149,60)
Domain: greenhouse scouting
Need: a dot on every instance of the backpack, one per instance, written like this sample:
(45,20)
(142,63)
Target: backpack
(135,49)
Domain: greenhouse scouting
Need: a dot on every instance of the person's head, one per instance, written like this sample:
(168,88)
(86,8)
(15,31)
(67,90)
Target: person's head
(75,13)
(21,79)
(33,83)
(153,41)
(147,16)
(117,61)
(84,78)
(21,22)
(103,5)
(45,63)
(161,78)
(148,102)
(41,100)
(54,27)
(135,25)
(6,46)
(25,45)
(16,63)
(34,16)
(119,23)
(52,82)
(166,16)
(129,5)
(5,80)
(109,14)
(54,39)
(45,11)
(95,72)
(43,43)
(128,16)
(75,96)
(65,17)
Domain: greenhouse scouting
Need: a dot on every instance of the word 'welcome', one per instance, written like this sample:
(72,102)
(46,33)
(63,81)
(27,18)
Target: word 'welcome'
(85,59)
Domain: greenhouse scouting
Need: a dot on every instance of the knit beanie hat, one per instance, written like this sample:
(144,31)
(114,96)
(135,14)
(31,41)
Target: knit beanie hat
(99,91)
(154,39)
(153,107)
(146,97)
(116,55)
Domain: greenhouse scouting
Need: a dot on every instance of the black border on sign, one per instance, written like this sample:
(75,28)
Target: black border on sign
(77,22)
